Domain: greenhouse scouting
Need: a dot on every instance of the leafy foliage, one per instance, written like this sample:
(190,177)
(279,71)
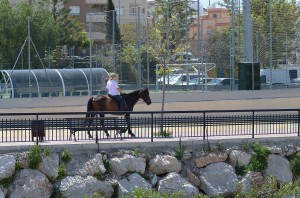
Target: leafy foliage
(179,152)
(295,165)
(111,20)
(62,171)
(66,156)
(34,157)
(47,151)
(258,161)
(47,31)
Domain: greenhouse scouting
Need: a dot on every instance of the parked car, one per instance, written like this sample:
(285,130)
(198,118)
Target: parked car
(197,81)
(220,81)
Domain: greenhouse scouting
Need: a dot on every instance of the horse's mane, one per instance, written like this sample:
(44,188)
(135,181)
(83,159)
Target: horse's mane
(131,94)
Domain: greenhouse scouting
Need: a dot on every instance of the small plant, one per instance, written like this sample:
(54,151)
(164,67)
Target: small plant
(34,157)
(295,165)
(136,152)
(106,165)
(180,150)
(240,170)
(219,145)
(62,171)
(97,174)
(56,193)
(66,156)
(47,151)
(247,147)
(7,181)
(18,166)
(258,161)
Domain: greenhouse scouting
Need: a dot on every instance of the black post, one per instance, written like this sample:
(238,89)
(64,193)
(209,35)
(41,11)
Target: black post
(252,123)
(151,127)
(204,125)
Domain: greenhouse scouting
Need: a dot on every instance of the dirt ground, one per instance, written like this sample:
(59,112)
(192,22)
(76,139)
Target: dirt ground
(272,103)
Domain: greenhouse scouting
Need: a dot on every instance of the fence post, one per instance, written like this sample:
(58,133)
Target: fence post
(298,122)
(204,125)
(252,123)
(37,131)
(151,127)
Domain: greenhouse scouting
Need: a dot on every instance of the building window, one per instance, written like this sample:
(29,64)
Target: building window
(215,16)
(74,10)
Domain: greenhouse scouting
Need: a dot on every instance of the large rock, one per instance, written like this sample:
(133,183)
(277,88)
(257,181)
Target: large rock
(251,179)
(49,166)
(134,181)
(128,163)
(163,164)
(78,186)
(7,166)
(203,161)
(30,183)
(219,179)
(173,182)
(240,158)
(279,167)
(85,165)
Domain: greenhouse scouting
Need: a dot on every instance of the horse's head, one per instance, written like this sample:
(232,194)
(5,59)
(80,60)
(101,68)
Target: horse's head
(144,94)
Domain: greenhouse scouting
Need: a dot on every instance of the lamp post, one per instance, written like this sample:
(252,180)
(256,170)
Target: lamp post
(90,31)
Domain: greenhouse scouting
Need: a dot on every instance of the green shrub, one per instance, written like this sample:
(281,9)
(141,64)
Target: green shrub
(56,193)
(106,165)
(258,161)
(136,152)
(62,171)
(270,190)
(47,151)
(18,166)
(97,174)
(219,145)
(179,152)
(295,165)
(66,156)
(34,157)
(7,181)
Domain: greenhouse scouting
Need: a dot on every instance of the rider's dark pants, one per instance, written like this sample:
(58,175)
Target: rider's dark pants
(121,101)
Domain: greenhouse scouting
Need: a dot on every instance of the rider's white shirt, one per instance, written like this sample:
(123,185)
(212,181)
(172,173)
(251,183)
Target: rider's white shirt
(112,87)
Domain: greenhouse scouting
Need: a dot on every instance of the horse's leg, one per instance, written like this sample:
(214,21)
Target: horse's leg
(102,124)
(88,122)
(127,118)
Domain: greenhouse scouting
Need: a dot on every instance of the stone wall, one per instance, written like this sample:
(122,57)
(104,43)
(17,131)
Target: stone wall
(205,167)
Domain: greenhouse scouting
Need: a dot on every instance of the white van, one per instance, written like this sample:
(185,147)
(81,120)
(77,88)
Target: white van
(181,79)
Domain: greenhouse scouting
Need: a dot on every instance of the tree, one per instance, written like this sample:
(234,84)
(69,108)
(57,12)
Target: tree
(46,32)
(167,32)
(284,17)
(218,48)
(112,27)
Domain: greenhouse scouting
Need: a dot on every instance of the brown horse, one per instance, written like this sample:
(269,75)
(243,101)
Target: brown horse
(106,103)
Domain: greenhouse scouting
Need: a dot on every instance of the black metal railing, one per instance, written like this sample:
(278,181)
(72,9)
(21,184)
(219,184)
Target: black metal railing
(37,127)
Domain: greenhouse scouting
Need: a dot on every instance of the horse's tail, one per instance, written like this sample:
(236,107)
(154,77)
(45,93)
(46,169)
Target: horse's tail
(89,115)
(90,107)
